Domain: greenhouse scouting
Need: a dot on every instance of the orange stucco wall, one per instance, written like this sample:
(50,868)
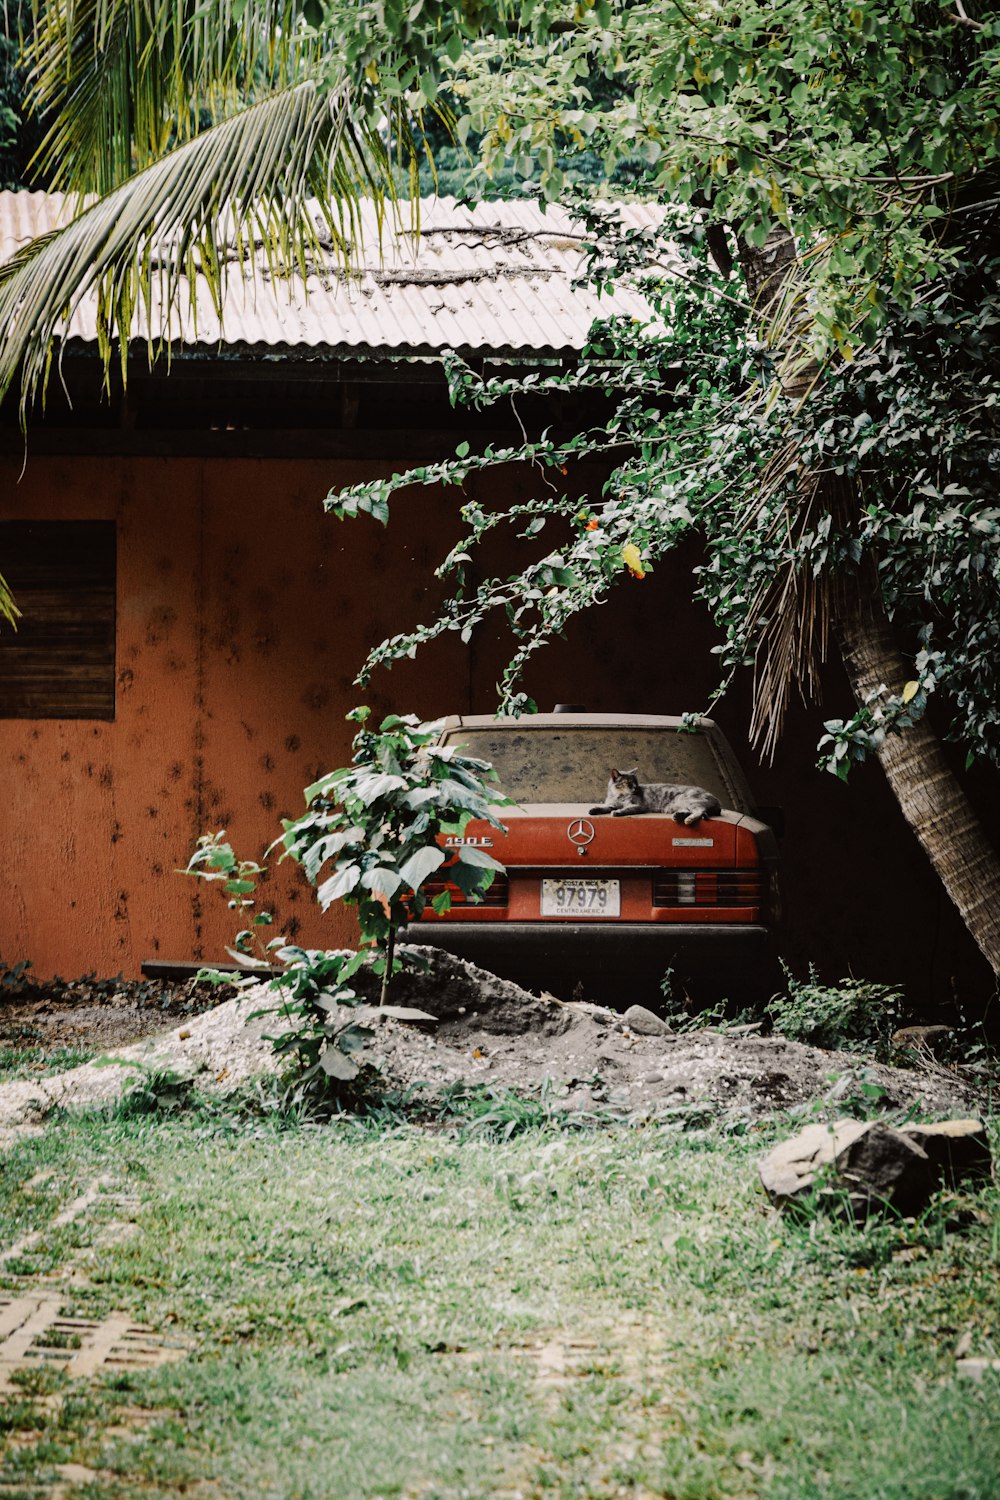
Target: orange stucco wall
(243,615)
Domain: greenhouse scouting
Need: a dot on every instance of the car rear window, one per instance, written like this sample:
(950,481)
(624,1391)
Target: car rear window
(573,765)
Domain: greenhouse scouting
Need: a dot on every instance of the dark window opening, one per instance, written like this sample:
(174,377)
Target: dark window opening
(60,662)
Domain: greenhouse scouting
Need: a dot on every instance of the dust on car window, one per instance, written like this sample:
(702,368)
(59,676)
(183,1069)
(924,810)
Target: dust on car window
(573,765)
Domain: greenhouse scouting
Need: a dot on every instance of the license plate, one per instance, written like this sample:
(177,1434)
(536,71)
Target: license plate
(581,898)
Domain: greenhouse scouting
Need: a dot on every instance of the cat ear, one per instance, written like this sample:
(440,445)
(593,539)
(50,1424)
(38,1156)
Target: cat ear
(634,773)
(616,775)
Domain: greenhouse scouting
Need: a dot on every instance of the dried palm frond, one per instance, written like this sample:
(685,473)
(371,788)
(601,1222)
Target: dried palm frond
(791,650)
(8,607)
(791,614)
(789,619)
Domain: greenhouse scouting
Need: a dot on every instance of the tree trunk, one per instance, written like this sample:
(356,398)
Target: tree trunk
(390,955)
(928,793)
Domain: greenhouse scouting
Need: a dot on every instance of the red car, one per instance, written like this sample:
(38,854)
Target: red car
(599,899)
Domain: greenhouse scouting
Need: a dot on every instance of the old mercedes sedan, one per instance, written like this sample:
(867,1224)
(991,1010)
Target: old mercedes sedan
(588,902)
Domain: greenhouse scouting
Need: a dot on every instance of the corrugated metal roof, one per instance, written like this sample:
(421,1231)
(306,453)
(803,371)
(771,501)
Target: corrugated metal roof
(496,277)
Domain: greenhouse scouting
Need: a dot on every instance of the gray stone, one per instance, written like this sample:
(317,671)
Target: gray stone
(976,1369)
(645,1022)
(920,1038)
(957,1148)
(860,1165)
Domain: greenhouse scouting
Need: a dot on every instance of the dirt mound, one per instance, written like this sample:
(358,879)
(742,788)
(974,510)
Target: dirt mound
(489,1031)
(462,996)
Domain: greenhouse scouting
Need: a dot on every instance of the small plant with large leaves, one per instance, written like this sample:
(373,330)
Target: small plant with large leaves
(370,837)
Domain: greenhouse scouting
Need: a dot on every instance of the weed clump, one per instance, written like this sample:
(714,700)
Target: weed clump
(853,1013)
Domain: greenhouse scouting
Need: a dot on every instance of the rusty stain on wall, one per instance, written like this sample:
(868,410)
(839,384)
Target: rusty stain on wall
(231,691)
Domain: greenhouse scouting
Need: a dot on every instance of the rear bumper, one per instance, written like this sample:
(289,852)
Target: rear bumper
(547,954)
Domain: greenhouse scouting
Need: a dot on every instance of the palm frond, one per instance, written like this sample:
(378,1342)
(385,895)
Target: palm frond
(199,210)
(124,80)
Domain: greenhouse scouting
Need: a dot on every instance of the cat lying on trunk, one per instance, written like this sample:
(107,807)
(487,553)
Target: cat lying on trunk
(627,796)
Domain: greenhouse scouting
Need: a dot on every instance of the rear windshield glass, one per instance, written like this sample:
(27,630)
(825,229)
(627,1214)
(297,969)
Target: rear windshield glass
(573,765)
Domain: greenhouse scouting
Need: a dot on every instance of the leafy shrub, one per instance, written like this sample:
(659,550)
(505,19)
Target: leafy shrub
(370,837)
(15,979)
(852,1013)
(156,1091)
(375,825)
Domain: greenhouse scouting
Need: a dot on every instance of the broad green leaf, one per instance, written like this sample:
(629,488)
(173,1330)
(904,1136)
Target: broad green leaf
(325,785)
(247,960)
(337,1065)
(370,787)
(353,1038)
(479,857)
(417,868)
(421,795)
(340,884)
(385,881)
(470,879)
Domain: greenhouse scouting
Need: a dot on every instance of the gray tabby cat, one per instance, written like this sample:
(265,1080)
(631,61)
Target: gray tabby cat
(627,796)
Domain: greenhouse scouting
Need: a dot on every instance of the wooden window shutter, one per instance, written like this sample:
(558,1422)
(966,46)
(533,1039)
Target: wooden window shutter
(60,662)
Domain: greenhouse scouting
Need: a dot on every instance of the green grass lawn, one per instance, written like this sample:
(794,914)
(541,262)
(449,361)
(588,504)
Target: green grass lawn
(39,1061)
(386,1310)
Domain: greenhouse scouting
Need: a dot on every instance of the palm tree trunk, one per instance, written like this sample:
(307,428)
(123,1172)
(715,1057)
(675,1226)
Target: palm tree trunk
(929,795)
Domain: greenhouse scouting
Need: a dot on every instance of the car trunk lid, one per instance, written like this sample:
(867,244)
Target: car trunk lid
(547,835)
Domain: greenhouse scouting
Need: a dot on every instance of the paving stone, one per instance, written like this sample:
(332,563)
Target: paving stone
(32,1331)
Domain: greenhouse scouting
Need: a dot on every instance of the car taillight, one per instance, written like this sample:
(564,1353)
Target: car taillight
(708,887)
(497,895)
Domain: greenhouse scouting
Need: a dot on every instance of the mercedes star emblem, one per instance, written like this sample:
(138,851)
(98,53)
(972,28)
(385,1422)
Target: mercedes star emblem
(580,831)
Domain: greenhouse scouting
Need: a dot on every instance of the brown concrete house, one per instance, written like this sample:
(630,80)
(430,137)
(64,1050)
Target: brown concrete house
(193,621)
